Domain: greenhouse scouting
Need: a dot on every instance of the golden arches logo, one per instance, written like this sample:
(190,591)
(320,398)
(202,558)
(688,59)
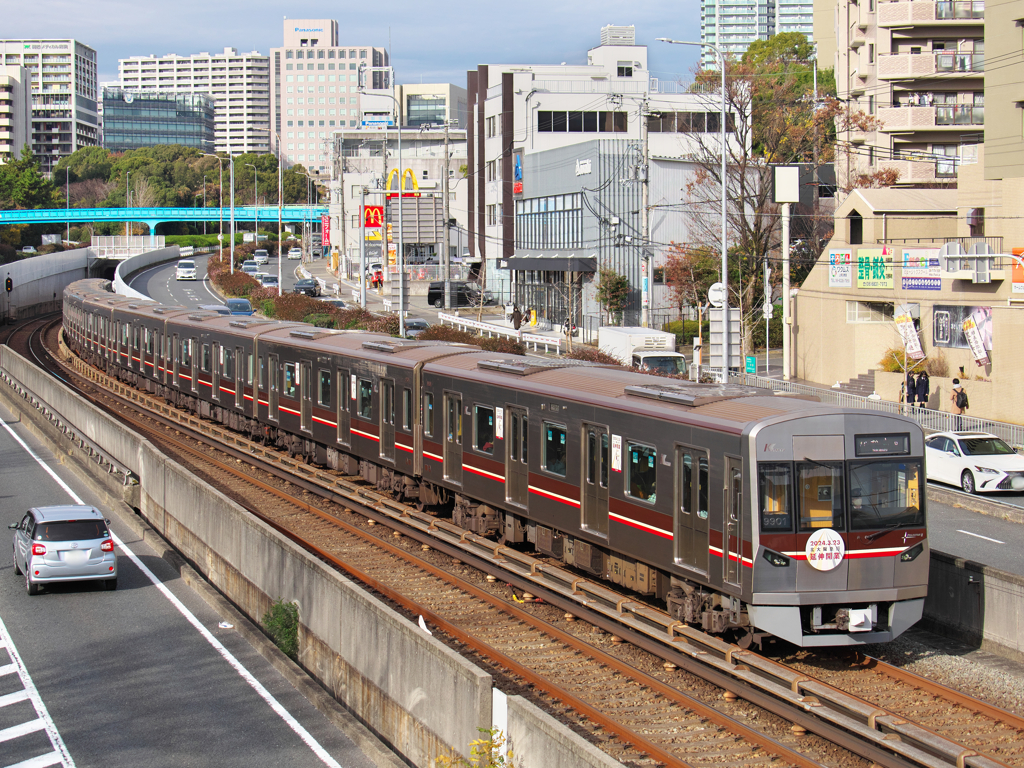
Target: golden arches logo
(408,174)
(373,216)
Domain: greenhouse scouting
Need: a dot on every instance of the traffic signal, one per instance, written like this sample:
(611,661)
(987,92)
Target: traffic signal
(9,284)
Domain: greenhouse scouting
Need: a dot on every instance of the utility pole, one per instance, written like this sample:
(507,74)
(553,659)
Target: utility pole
(645,260)
(339,174)
(446,243)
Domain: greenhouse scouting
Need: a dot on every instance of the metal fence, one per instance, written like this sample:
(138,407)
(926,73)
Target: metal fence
(930,420)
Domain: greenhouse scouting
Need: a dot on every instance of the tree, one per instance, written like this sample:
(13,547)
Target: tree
(613,292)
(690,272)
(23,186)
(774,120)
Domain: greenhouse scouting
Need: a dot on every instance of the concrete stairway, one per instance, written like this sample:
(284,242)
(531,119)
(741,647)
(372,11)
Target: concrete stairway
(862,385)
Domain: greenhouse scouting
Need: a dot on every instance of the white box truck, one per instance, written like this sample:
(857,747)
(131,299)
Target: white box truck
(644,349)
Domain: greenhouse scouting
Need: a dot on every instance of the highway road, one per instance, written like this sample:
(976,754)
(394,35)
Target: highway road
(143,676)
(160,284)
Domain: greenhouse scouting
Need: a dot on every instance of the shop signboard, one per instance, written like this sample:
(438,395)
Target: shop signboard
(874,268)
(921,270)
(840,269)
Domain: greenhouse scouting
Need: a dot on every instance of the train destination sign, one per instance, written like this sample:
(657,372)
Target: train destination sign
(881,445)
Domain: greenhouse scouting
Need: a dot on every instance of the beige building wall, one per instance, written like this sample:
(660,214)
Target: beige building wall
(825,32)
(1004,91)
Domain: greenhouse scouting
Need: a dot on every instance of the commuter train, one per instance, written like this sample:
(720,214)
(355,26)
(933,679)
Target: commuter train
(749,513)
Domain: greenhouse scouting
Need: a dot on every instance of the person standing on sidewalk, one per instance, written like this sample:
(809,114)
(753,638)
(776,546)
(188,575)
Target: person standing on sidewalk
(960,403)
(923,389)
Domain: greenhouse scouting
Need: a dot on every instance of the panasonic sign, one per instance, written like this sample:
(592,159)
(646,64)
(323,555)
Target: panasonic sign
(308,29)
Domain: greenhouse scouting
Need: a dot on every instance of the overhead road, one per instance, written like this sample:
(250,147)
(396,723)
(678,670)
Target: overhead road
(154,216)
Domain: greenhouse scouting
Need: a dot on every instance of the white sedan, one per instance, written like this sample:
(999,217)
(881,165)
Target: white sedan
(976,461)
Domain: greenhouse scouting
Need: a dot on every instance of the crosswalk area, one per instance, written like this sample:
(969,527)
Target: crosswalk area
(28,737)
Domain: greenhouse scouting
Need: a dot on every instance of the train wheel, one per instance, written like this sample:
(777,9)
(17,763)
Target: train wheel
(967,481)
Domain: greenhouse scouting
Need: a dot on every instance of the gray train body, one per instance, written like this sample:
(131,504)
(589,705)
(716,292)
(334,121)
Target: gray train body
(746,512)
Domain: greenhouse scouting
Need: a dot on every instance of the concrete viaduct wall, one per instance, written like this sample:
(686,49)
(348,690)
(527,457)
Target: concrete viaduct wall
(39,282)
(418,695)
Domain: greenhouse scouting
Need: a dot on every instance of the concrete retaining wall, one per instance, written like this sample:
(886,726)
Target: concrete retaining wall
(39,282)
(976,604)
(417,694)
(136,263)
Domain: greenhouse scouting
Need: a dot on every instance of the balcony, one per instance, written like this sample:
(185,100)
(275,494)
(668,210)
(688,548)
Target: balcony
(923,171)
(908,66)
(905,14)
(910,118)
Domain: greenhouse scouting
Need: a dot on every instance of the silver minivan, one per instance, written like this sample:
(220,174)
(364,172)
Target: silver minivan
(65,543)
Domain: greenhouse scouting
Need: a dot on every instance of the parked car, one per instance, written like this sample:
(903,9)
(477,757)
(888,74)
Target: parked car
(295,253)
(374,266)
(978,462)
(414,326)
(463,294)
(65,543)
(268,281)
(250,267)
(309,286)
(186,270)
(239,306)
(29,249)
(260,256)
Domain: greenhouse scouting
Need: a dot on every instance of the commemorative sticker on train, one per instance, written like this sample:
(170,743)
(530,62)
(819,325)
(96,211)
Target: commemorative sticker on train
(616,453)
(499,423)
(825,549)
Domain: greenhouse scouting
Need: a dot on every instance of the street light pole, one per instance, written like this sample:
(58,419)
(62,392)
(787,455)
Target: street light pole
(726,319)
(67,199)
(280,198)
(401,236)
(127,204)
(204,203)
(255,200)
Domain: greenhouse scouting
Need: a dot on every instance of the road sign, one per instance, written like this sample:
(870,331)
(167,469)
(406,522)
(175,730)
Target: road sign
(751,364)
(716,295)
(768,310)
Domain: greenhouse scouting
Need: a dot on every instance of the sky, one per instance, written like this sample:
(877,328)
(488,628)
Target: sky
(429,43)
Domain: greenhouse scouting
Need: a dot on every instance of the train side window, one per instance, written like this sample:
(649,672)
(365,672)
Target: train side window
(554,449)
(407,409)
(290,379)
(642,468)
(325,389)
(483,430)
(365,399)
(251,364)
(229,363)
(263,367)
(186,353)
(820,495)
(149,341)
(775,490)
(343,391)
(206,358)
(428,414)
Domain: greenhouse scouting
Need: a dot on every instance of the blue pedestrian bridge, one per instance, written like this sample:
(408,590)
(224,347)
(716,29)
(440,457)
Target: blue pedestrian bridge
(154,216)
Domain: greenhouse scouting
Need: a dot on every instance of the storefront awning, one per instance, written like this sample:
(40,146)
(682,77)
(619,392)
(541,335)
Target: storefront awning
(550,261)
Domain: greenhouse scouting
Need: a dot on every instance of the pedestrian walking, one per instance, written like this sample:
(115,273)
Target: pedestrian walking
(960,403)
(517,317)
(923,389)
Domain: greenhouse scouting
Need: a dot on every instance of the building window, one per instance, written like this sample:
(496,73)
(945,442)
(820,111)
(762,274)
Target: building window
(856,222)
(624,69)
(555,221)
(492,215)
(976,221)
(581,122)
(868,312)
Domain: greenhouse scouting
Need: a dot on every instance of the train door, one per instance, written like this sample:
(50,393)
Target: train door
(346,392)
(594,510)
(305,402)
(215,369)
(453,438)
(517,463)
(240,371)
(733,525)
(273,389)
(177,359)
(691,510)
(387,419)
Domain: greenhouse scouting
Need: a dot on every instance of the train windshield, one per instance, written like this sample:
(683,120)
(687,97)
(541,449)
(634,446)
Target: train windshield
(885,494)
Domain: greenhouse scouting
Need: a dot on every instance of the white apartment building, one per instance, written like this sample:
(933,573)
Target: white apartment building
(315,89)
(732,25)
(15,110)
(64,94)
(238,82)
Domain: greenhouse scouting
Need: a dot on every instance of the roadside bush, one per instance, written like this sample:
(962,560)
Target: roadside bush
(448,333)
(685,330)
(282,624)
(774,335)
(502,345)
(591,355)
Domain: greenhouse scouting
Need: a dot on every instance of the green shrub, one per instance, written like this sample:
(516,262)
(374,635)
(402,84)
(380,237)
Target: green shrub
(282,624)
(774,335)
(502,345)
(591,355)
(686,330)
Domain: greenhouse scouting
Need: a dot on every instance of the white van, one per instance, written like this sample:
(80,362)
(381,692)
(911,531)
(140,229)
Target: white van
(186,270)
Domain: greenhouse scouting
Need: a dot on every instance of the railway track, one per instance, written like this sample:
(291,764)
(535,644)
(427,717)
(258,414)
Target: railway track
(650,713)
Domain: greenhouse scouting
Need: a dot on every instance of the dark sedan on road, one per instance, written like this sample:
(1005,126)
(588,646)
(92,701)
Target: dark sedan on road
(309,286)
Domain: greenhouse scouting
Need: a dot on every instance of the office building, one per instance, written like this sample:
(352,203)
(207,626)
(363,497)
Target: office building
(732,25)
(64,94)
(15,110)
(239,84)
(315,89)
(570,148)
(145,119)
(919,68)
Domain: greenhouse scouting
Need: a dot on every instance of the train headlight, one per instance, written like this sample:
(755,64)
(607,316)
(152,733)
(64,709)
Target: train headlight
(779,561)
(911,554)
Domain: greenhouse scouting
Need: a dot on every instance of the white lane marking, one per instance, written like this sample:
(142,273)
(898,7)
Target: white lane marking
(979,536)
(16,731)
(263,693)
(38,762)
(60,752)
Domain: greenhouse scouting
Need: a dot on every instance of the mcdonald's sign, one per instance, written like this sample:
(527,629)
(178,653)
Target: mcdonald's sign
(407,174)
(373,216)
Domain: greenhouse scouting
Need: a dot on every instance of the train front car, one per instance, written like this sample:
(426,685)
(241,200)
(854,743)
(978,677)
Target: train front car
(841,548)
